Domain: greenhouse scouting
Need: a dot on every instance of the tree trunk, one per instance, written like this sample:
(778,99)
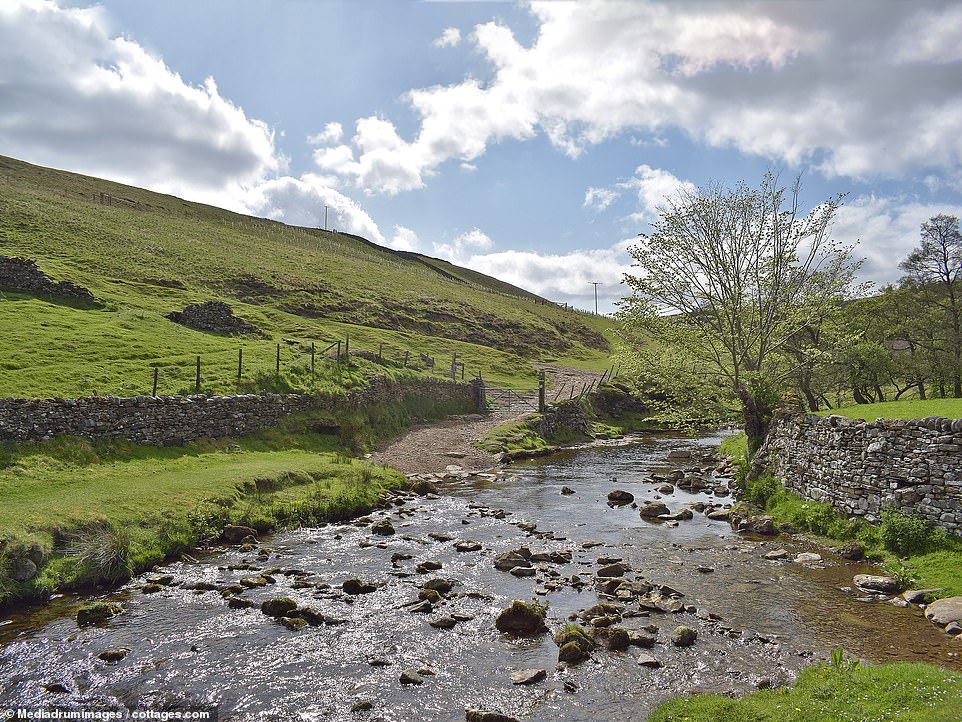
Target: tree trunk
(921,391)
(755,420)
(859,396)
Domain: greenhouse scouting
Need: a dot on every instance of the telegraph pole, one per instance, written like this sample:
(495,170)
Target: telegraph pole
(325,218)
(596,284)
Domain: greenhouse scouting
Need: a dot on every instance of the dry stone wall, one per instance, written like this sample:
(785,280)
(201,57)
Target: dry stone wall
(216,316)
(171,420)
(861,466)
(24,275)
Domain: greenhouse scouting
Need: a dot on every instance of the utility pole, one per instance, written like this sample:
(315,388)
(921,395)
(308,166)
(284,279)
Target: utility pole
(596,284)
(325,218)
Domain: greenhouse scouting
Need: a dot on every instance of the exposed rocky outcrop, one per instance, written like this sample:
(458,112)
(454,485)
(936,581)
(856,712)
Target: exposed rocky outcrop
(216,316)
(24,275)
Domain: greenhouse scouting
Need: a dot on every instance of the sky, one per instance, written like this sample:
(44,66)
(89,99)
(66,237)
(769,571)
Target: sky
(531,141)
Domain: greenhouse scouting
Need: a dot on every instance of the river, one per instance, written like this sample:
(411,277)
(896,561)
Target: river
(758,621)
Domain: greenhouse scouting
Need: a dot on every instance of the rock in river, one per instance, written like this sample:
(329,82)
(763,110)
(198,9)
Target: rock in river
(566,490)
(876,583)
(521,620)
(97,613)
(620,497)
(481,715)
(356,586)
(945,611)
(528,676)
(237,534)
(384,527)
(652,510)
(683,636)
(278,607)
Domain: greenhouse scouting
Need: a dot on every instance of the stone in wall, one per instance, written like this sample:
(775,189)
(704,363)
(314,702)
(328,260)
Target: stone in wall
(566,417)
(862,466)
(24,275)
(216,316)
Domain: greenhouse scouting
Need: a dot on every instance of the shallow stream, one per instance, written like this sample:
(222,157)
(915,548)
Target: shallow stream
(188,647)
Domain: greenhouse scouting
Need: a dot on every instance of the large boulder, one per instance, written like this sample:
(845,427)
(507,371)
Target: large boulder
(236,534)
(652,510)
(876,583)
(97,613)
(945,611)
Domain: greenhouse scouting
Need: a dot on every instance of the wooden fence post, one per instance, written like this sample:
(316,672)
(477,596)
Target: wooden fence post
(347,348)
(277,363)
(312,358)
(406,358)
(380,350)
(338,350)
(156,371)
(240,363)
(454,367)
(197,377)
(541,388)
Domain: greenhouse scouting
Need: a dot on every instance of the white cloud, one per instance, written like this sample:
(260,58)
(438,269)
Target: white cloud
(332,133)
(456,251)
(448,39)
(72,96)
(857,88)
(564,278)
(404,240)
(599,198)
(653,186)
(888,228)
(301,201)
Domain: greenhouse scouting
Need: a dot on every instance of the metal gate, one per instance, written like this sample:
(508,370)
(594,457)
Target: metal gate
(501,399)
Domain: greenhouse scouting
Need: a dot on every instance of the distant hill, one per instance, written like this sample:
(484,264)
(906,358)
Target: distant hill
(145,254)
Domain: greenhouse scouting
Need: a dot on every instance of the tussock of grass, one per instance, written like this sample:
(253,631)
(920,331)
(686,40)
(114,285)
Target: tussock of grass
(909,692)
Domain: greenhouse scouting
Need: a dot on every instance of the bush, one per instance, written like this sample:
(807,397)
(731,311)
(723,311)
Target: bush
(763,489)
(905,533)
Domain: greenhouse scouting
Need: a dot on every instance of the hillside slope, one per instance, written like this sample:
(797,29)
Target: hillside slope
(145,254)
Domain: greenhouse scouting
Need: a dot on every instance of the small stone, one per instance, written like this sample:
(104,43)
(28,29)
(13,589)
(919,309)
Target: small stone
(617,569)
(293,623)
(808,558)
(776,554)
(112,656)
(528,676)
(428,566)
(356,586)
(467,546)
(683,636)
(411,676)
(362,706)
(424,607)
(151,588)
(524,571)
(240,603)
(443,623)
(566,490)
(647,660)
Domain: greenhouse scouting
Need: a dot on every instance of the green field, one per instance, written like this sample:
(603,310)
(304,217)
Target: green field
(912,409)
(148,254)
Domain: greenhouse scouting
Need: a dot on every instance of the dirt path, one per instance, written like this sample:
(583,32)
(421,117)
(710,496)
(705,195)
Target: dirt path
(429,448)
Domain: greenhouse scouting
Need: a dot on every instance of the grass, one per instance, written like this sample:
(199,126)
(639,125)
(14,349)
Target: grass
(150,254)
(102,510)
(928,555)
(902,691)
(912,409)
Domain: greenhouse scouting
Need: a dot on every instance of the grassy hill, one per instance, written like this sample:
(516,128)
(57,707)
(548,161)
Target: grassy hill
(145,254)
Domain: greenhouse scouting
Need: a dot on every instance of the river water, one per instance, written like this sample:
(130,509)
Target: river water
(768,619)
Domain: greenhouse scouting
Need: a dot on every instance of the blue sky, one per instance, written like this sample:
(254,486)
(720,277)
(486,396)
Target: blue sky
(531,141)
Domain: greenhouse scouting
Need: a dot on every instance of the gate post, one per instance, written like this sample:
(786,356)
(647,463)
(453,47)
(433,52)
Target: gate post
(542,407)
(479,395)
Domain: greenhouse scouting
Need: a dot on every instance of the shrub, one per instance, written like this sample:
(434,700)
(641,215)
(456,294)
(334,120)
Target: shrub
(763,489)
(905,533)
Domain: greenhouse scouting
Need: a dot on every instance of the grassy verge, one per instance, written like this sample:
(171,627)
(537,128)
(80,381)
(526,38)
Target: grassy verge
(907,546)
(96,512)
(912,409)
(910,692)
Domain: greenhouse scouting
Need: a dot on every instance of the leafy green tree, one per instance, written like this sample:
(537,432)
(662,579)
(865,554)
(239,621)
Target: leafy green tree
(933,271)
(732,276)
